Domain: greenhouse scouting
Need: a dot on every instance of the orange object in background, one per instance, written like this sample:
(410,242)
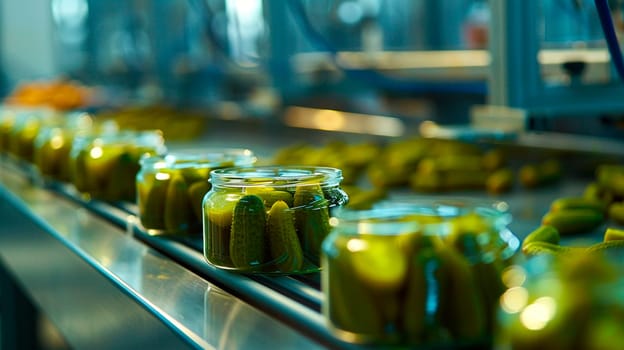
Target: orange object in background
(57,94)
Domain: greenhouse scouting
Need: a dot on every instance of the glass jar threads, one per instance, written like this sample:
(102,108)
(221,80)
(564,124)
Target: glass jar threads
(425,272)
(270,219)
(105,167)
(171,188)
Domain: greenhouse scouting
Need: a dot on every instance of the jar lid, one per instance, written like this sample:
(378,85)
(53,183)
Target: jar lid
(275,176)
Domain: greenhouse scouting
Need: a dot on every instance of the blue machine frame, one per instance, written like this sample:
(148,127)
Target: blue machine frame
(515,79)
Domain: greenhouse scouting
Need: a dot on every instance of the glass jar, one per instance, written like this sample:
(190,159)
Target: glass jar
(270,219)
(568,301)
(423,272)
(105,167)
(8,116)
(27,125)
(171,188)
(53,143)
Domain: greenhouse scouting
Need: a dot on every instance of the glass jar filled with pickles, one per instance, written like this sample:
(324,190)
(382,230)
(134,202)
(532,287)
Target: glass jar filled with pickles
(53,143)
(105,167)
(171,188)
(423,272)
(270,219)
(25,128)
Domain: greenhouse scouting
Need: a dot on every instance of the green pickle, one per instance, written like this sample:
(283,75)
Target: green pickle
(248,244)
(311,218)
(544,233)
(350,306)
(152,195)
(574,221)
(196,193)
(285,246)
(177,205)
(401,277)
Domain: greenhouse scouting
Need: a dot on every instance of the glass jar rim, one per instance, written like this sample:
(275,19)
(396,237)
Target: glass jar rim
(200,158)
(388,212)
(275,176)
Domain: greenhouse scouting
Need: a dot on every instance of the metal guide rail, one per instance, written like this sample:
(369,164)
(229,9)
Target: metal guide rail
(294,300)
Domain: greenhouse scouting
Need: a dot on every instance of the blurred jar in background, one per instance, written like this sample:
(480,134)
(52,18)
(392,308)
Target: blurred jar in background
(425,272)
(105,167)
(53,143)
(25,128)
(171,188)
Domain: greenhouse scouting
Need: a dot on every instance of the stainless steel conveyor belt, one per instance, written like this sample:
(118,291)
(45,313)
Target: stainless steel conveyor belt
(105,288)
(106,283)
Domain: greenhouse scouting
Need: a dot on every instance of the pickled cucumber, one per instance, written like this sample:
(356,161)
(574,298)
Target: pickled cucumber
(611,177)
(152,196)
(536,248)
(121,184)
(612,234)
(248,242)
(463,313)
(499,181)
(577,203)
(544,233)
(272,197)
(177,206)
(311,219)
(284,243)
(423,286)
(377,264)
(606,246)
(350,306)
(196,193)
(573,221)
(534,175)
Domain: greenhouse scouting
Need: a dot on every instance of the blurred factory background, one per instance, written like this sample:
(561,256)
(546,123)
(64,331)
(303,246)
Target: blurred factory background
(413,60)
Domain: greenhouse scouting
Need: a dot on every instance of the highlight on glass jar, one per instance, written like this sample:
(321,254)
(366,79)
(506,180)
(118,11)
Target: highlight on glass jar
(421,272)
(270,219)
(171,188)
(571,301)
(105,167)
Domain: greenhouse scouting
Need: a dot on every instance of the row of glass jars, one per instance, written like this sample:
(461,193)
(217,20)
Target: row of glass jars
(417,273)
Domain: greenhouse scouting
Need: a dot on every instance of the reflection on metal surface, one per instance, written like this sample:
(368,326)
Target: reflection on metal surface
(170,292)
(237,332)
(331,120)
